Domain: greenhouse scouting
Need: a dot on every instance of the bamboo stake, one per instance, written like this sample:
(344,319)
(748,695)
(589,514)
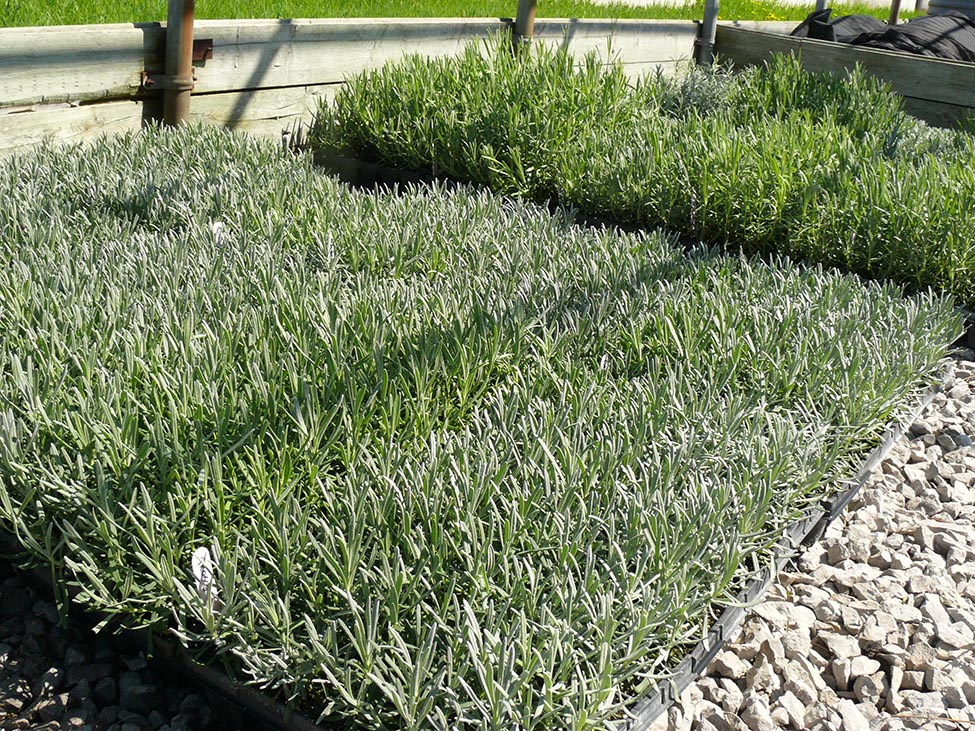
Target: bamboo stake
(179,62)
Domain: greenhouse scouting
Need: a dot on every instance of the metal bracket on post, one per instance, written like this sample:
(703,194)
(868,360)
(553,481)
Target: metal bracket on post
(202,49)
(157,83)
(162,83)
(524,24)
(704,45)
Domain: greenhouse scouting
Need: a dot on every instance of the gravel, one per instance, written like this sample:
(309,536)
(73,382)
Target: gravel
(874,629)
(52,678)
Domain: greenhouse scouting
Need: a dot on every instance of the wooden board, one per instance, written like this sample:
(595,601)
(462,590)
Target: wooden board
(626,41)
(72,63)
(262,54)
(779,27)
(910,75)
(265,75)
(18,132)
(87,63)
(267,112)
(255,54)
(637,70)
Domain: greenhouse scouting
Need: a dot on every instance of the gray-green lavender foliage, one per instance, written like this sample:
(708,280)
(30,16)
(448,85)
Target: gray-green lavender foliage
(461,463)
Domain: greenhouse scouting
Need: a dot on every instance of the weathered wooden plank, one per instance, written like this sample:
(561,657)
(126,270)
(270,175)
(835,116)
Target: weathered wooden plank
(779,27)
(635,71)
(269,112)
(302,61)
(86,63)
(626,41)
(266,112)
(72,63)
(910,75)
(262,54)
(253,54)
(19,132)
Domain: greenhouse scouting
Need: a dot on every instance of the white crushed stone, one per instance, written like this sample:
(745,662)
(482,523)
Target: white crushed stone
(874,630)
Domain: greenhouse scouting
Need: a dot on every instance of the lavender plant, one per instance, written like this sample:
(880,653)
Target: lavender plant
(431,459)
(818,167)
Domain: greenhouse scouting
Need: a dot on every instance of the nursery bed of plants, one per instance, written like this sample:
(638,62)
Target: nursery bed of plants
(818,167)
(458,462)
(55,12)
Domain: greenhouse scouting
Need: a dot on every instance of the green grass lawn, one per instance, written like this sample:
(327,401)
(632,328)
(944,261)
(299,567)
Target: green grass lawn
(51,12)
(460,463)
(818,167)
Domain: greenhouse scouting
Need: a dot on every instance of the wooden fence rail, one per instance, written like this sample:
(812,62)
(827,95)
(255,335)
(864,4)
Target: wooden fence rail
(265,76)
(258,75)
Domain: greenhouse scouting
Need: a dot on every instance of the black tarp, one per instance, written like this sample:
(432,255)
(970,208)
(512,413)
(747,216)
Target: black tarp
(951,35)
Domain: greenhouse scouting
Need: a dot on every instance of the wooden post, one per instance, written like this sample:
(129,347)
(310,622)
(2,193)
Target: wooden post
(179,62)
(705,42)
(524,22)
(895,11)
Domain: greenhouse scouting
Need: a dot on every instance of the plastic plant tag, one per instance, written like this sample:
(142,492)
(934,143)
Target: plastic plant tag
(219,231)
(203,573)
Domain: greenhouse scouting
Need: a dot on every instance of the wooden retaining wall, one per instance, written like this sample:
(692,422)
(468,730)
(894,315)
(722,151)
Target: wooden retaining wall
(266,76)
(262,76)
(938,91)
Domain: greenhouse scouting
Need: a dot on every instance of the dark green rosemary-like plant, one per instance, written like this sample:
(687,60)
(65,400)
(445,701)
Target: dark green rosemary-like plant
(823,168)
